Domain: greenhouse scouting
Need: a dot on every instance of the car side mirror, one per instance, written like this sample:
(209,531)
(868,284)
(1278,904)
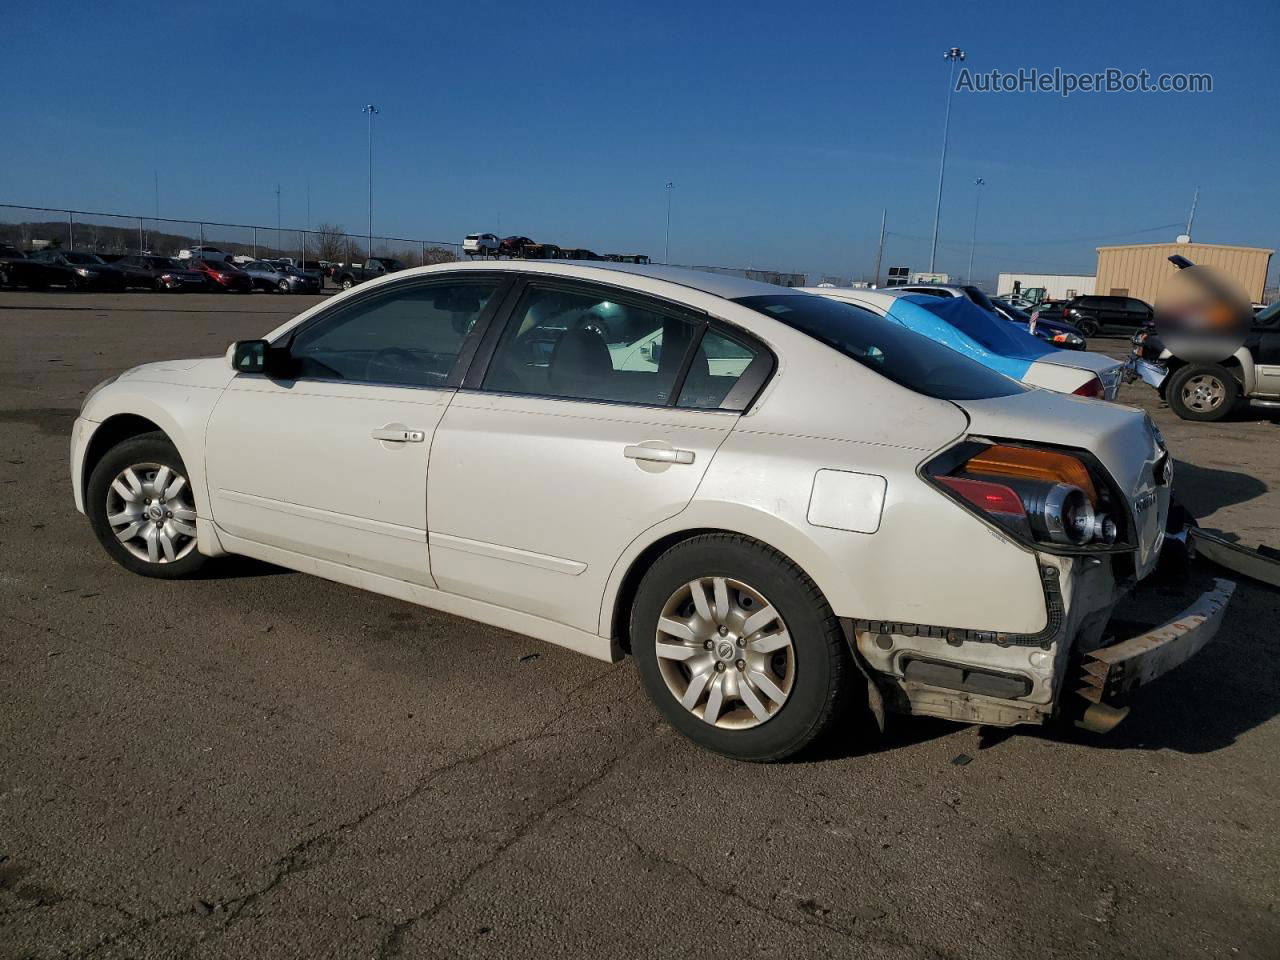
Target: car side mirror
(249,356)
(258,356)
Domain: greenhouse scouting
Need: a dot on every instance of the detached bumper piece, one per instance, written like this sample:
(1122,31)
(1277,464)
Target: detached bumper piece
(1262,564)
(1153,374)
(1110,672)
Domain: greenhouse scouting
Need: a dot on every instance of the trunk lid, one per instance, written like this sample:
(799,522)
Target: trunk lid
(1124,440)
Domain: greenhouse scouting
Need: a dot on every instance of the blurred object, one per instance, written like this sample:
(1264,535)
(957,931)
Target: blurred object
(1201,314)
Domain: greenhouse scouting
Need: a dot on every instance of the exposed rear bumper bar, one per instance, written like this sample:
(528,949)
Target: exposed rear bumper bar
(1115,670)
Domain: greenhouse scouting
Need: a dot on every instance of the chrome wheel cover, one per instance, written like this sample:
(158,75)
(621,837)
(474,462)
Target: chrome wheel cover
(150,510)
(1203,393)
(725,653)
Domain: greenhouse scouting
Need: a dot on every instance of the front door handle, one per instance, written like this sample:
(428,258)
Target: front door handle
(398,435)
(657,454)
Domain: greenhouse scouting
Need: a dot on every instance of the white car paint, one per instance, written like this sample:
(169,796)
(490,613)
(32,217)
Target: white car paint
(526,512)
(1063,371)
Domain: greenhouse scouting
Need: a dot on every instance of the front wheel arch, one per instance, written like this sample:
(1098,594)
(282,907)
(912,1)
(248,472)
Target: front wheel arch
(111,432)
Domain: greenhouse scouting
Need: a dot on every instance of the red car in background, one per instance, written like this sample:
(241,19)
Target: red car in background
(223,275)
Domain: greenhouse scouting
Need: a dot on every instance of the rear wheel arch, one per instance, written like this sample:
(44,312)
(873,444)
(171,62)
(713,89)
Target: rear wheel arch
(623,600)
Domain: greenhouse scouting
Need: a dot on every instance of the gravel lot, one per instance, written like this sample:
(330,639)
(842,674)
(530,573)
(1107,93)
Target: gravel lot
(262,764)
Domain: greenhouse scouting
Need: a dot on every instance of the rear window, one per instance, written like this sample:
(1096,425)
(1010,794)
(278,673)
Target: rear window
(906,358)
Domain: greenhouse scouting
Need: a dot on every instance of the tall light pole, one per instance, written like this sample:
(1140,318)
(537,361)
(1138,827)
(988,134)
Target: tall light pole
(666,240)
(973,242)
(952,56)
(370,109)
(279,243)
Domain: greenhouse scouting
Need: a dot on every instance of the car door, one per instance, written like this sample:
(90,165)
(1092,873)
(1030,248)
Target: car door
(332,462)
(1264,343)
(567,442)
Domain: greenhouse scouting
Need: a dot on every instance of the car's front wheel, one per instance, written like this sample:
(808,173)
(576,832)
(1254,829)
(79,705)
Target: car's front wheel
(738,649)
(142,508)
(1201,391)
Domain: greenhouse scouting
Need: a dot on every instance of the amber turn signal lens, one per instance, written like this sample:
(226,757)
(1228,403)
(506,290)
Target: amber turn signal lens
(1027,464)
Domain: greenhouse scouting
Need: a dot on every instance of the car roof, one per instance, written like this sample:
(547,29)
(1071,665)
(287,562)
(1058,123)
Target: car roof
(726,286)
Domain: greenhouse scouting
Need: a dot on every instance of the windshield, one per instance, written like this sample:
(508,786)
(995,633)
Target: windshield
(894,352)
(1267,317)
(82,258)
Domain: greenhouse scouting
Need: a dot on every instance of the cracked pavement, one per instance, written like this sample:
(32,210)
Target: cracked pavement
(262,764)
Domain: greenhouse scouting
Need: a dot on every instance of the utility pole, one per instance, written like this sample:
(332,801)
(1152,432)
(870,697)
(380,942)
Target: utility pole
(279,243)
(666,241)
(880,249)
(1192,217)
(952,56)
(371,110)
(973,242)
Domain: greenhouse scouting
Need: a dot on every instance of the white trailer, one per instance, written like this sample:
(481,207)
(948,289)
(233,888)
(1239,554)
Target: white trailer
(1057,286)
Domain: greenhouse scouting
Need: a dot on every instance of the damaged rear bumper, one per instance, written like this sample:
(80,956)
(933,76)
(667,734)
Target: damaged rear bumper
(1111,672)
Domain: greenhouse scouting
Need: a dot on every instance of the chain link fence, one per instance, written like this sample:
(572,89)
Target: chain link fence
(37,228)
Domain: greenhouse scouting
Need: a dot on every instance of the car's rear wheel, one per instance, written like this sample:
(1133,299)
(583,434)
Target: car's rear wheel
(1204,392)
(1089,328)
(282,286)
(347,283)
(738,649)
(142,508)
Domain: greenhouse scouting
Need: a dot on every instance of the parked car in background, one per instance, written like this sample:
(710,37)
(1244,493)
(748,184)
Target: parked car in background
(836,512)
(89,271)
(540,251)
(481,244)
(17,269)
(1061,335)
(205,252)
(1094,314)
(513,246)
(579,253)
(959,323)
(224,276)
(348,277)
(281,278)
(160,273)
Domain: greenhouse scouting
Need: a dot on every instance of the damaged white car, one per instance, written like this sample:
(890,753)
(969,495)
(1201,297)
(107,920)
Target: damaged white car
(777,503)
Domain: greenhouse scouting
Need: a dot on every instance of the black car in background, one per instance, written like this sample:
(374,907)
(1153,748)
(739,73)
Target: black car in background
(1095,314)
(19,270)
(1062,335)
(88,270)
(159,273)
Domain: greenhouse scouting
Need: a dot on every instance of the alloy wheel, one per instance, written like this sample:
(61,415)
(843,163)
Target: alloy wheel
(1203,393)
(150,510)
(725,653)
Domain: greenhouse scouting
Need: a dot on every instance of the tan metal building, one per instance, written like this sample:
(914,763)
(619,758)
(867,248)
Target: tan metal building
(1141,269)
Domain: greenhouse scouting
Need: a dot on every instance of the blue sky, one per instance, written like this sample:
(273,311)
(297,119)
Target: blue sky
(785,127)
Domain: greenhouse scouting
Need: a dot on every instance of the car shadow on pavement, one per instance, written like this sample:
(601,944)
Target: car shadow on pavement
(238,568)
(1205,490)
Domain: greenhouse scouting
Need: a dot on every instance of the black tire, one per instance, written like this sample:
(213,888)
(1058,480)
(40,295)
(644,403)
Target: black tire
(1088,327)
(346,283)
(823,681)
(282,287)
(1191,391)
(147,448)
(158,285)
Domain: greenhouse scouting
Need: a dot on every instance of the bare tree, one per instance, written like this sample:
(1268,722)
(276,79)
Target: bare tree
(438,255)
(330,242)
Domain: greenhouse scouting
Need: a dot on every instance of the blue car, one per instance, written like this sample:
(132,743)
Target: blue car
(994,342)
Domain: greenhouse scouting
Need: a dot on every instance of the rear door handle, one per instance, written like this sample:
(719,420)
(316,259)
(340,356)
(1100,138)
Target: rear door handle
(657,454)
(398,435)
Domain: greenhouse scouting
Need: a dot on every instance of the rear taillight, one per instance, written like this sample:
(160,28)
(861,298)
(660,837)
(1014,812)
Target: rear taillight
(1043,496)
(1092,388)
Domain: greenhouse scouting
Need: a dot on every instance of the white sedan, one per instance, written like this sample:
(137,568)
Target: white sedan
(778,504)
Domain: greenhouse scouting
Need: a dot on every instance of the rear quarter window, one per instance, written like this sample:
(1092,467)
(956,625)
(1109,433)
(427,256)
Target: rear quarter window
(892,351)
